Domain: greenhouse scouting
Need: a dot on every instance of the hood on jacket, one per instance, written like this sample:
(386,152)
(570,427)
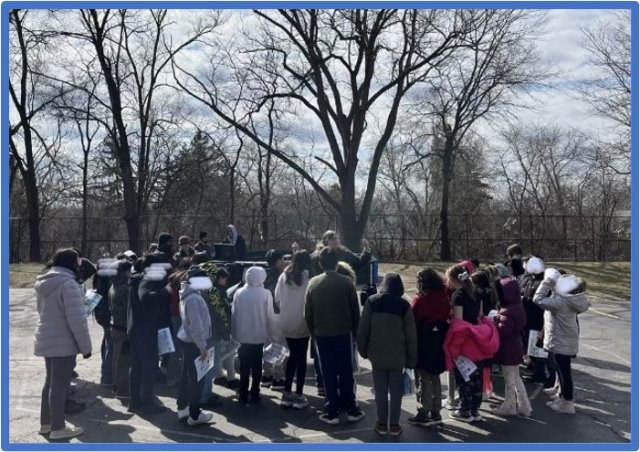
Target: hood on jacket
(256,276)
(577,302)
(50,282)
(232,234)
(186,289)
(510,291)
(123,268)
(534,266)
(392,283)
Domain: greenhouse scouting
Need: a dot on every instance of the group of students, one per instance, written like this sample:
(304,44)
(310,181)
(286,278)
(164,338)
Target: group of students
(309,302)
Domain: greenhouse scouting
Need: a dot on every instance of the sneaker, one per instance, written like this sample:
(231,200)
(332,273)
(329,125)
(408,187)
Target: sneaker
(554,402)
(73,407)
(300,402)
(233,384)
(381,429)
(287,400)
(277,385)
(395,429)
(421,418)
(355,414)
(266,382)
(551,391)
(436,419)
(477,417)
(45,429)
(204,418)
(463,416)
(564,407)
(451,404)
(331,419)
(66,433)
(183,414)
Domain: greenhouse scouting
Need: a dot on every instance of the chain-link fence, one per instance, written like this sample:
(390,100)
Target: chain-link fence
(393,237)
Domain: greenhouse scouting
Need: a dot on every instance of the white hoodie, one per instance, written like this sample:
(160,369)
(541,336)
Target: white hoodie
(290,298)
(253,320)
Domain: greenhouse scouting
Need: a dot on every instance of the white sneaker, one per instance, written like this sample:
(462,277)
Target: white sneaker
(564,407)
(300,402)
(45,429)
(66,433)
(204,418)
(552,390)
(183,414)
(451,404)
(555,402)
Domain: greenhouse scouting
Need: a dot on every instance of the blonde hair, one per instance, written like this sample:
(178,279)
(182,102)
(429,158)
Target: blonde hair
(453,274)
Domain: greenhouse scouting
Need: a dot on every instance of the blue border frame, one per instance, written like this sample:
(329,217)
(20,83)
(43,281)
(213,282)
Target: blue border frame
(490,4)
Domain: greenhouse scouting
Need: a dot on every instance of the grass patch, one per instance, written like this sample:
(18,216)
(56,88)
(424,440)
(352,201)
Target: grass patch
(24,275)
(608,278)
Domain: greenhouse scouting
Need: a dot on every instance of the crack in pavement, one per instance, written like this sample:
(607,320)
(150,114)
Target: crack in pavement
(619,434)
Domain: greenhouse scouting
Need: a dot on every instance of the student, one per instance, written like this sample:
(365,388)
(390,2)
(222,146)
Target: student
(184,250)
(514,263)
(174,360)
(193,335)
(253,324)
(165,246)
(61,334)
(387,337)
(332,313)
(466,307)
(510,321)
(290,298)
(431,311)
(273,375)
(147,293)
(202,246)
(118,301)
(561,328)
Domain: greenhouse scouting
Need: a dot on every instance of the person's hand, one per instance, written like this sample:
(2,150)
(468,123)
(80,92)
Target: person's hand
(87,355)
(365,244)
(203,354)
(552,274)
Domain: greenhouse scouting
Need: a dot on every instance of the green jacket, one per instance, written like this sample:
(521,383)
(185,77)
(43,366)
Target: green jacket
(387,332)
(331,305)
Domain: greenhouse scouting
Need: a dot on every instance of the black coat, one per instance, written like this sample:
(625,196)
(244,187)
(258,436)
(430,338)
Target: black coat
(535,314)
(430,352)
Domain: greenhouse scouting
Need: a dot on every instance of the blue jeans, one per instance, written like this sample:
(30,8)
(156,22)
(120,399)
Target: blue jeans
(106,353)
(336,362)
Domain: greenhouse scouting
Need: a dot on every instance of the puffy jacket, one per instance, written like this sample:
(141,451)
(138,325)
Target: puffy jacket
(387,329)
(331,305)
(252,317)
(102,311)
(510,321)
(561,329)
(62,328)
(196,322)
(431,312)
(289,298)
(119,296)
(475,342)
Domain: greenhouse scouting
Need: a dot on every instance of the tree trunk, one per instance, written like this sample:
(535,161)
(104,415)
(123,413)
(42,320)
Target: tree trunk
(85,196)
(351,230)
(33,209)
(447,168)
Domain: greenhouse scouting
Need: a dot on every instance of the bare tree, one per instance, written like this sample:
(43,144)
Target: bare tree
(608,88)
(498,63)
(339,66)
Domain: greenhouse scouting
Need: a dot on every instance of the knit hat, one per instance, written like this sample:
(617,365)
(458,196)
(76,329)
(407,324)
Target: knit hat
(503,271)
(566,284)
(534,266)
(468,266)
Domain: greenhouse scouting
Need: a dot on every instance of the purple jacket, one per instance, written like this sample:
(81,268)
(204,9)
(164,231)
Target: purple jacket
(510,321)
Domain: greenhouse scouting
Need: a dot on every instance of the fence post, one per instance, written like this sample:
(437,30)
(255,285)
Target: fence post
(575,250)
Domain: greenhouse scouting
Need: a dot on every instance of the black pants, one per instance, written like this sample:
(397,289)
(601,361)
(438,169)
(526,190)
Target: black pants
(563,363)
(336,361)
(144,364)
(470,392)
(250,365)
(190,388)
(297,364)
(552,370)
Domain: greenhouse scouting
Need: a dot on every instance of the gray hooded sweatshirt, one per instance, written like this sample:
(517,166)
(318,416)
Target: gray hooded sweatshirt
(62,328)
(253,320)
(561,330)
(196,321)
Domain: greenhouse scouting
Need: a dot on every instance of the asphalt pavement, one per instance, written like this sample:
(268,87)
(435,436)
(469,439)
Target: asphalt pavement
(602,376)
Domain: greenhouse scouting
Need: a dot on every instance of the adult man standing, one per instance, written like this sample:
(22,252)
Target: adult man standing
(332,313)
(356,261)
(203,245)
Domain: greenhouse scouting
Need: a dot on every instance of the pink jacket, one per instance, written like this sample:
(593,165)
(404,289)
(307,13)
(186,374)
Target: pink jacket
(476,342)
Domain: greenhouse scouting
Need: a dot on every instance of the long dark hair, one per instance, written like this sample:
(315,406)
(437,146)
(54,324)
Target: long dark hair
(454,272)
(429,281)
(67,258)
(301,261)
